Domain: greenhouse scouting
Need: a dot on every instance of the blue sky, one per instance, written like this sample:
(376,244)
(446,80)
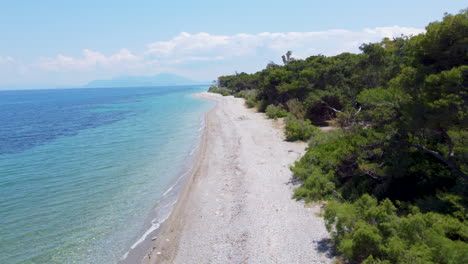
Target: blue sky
(73,42)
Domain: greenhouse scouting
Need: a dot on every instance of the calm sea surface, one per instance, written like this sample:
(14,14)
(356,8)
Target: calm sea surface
(81,169)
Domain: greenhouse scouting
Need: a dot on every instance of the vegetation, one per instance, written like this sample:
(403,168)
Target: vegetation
(219,90)
(373,232)
(395,173)
(297,129)
(275,112)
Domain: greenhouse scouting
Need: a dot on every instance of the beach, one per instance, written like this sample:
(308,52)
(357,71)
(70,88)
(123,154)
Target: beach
(236,206)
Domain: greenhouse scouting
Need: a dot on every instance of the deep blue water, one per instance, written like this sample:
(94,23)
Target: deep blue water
(81,169)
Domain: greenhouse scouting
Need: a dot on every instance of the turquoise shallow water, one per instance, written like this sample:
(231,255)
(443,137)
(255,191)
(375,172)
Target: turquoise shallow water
(81,169)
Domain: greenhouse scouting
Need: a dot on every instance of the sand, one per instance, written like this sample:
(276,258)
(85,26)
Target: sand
(237,206)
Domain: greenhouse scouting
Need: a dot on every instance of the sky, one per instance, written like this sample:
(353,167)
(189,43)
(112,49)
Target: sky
(69,43)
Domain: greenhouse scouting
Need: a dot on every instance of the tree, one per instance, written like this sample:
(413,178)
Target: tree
(287,57)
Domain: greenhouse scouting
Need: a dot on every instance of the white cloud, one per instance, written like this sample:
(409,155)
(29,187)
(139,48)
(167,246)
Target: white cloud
(91,60)
(394,31)
(206,46)
(203,55)
(6,59)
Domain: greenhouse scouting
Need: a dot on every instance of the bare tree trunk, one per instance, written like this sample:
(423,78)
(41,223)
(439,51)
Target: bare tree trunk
(447,162)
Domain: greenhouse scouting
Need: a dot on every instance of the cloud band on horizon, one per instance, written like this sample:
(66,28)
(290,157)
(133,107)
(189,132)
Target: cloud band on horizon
(201,56)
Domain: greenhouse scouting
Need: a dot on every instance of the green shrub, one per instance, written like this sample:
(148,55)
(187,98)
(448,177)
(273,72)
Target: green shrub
(261,105)
(219,90)
(296,108)
(317,185)
(246,93)
(249,96)
(250,102)
(296,129)
(371,231)
(275,112)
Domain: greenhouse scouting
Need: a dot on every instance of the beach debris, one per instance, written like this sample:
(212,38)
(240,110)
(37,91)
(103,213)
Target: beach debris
(158,253)
(154,238)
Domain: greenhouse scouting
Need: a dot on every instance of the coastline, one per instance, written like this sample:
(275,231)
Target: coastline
(166,235)
(165,206)
(229,209)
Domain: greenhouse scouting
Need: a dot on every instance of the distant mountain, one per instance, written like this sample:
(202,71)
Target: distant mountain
(163,79)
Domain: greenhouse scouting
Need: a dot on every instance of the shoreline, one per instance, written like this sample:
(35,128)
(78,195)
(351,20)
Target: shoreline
(169,199)
(175,219)
(236,205)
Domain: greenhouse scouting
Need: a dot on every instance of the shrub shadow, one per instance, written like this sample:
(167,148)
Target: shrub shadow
(325,246)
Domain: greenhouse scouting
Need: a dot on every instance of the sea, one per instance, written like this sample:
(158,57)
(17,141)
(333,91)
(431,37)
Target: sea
(88,174)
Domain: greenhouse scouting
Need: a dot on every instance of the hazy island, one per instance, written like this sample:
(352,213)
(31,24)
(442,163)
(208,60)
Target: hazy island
(386,156)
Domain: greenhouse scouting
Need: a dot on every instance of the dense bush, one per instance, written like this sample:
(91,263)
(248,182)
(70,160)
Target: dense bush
(317,168)
(249,96)
(246,93)
(296,129)
(296,108)
(275,112)
(261,105)
(250,102)
(219,90)
(371,231)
